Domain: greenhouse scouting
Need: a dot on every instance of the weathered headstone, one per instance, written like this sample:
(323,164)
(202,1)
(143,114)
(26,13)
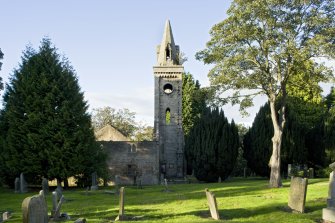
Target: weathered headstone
(59,205)
(35,209)
(54,203)
(59,191)
(17,185)
(298,191)
(328,214)
(23,184)
(166,185)
(213,208)
(45,185)
(219,180)
(5,216)
(289,170)
(94,181)
(121,216)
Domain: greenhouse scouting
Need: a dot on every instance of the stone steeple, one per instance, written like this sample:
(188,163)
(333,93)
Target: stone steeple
(167,51)
(168,74)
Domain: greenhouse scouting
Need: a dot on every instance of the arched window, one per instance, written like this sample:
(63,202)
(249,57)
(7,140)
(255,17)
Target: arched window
(168,52)
(167,116)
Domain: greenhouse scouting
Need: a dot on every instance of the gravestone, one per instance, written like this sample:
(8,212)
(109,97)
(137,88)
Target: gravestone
(213,208)
(54,203)
(328,214)
(298,191)
(219,180)
(121,216)
(245,172)
(23,184)
(17,185)
(59,191)
(5,216)
(289,170)
(94,181)
(35,209)
(45,185)
(166,185)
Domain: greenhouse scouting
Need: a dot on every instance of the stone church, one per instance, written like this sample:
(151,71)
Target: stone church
(150,162)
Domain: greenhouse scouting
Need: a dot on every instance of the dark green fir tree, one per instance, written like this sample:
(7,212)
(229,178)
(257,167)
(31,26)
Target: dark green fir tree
(45,125)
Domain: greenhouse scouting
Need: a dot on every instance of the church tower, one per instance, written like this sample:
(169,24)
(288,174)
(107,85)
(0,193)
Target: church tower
(168,107)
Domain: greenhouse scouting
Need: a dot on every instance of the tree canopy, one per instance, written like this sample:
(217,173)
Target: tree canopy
(46,129)
(262,47)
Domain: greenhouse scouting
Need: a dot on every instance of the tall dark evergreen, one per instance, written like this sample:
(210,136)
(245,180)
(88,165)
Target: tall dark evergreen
(46,128)
(213,146)
(193,103)
(302,137)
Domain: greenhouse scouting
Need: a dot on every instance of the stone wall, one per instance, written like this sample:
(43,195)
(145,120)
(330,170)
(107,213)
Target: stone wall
(133,161)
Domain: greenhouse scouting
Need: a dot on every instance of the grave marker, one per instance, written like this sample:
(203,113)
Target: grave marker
(121,216)
(45,185)
(23,184)
(35,209)
(213,208)
(328,214)
(17,185)
(94,181)
(298,191)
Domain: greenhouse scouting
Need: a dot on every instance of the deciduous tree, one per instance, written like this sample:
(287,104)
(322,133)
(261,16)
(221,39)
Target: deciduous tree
(262,46)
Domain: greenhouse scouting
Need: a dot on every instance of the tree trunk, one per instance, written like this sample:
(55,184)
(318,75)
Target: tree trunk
(278,124)
(66,183)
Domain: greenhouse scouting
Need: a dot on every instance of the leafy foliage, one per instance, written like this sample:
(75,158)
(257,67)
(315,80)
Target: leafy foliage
(330,125)
(264,46)
(122,119)
(212,146)
(46,130)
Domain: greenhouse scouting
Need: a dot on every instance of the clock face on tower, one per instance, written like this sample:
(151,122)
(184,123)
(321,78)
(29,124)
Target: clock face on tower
(167,88)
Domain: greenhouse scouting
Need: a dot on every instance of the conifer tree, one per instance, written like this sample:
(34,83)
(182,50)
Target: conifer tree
(213,146)
(46,126)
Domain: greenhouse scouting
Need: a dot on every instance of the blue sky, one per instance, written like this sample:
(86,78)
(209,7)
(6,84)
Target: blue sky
(111,44)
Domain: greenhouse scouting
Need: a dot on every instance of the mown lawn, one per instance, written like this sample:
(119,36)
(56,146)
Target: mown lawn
(239,200)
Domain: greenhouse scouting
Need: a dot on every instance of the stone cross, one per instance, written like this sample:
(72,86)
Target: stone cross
(35,209)
(121,216)
(17,185)
(45,185)
(23,184)
(328,214)
(298,191)
(94,181)
(213,208)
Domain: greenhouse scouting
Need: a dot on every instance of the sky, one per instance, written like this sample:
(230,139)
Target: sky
(112,44)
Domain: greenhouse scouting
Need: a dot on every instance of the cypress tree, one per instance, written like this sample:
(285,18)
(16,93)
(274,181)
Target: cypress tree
(215,145)
(46,126)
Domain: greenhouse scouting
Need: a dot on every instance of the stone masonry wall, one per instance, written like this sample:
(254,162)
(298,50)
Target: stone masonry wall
(133,161)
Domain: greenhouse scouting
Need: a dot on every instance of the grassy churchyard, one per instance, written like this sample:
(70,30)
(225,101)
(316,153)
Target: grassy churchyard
(239,200)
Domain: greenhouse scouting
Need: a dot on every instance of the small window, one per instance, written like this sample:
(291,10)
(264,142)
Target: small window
(167,116)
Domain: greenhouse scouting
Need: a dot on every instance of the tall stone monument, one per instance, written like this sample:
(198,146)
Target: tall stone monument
(168,106)
(328,214)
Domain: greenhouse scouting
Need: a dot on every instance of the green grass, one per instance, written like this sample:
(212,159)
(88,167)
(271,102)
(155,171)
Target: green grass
(239,200)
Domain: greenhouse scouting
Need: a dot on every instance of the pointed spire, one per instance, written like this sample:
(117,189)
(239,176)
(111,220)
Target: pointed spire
(167,52)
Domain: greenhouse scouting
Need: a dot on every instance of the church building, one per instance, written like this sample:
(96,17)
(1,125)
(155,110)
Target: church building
(151,162)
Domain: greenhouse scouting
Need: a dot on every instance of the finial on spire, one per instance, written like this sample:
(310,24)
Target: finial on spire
(167,51)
